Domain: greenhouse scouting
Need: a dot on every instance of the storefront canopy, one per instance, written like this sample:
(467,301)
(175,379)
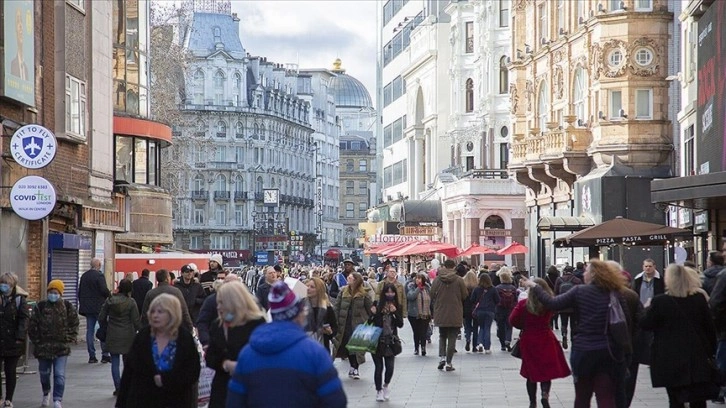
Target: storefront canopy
(564,223)
(422,212)
(703,191)
(621,231)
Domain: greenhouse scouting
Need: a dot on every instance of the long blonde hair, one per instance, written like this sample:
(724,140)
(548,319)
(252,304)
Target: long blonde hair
(321,290)
(470,280)
(239,301)
(681,281)
(170,304)
(534,306)
(606,275)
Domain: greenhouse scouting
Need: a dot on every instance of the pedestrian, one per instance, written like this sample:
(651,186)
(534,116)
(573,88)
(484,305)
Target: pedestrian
(282,351)
(388,315)
(551,278)
(53,327)
(434,270)
(163,286)
(392,278)
(418,296)
(322,324)
(208,277)
(140,288)
(120,317)
(598,364)
(263,288)
(471,326)
(353,307)
(507,301)
(485,299)
(542,356)
(192,291)
(579,271)
(163,363)
(684,339)
(13,330)
(340,279)
(714,265)
(448,293)
(208,312)
(238,315)
(563,284)
(92,293)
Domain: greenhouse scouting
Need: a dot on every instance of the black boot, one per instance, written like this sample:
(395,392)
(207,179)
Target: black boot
(468,346)
(423,350)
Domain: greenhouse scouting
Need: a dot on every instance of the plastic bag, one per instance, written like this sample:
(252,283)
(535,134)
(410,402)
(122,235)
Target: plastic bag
(364,339)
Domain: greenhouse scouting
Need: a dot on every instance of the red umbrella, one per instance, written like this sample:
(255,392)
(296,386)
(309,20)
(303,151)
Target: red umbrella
(402,249)
(476,249)
(428,247)
(513,248)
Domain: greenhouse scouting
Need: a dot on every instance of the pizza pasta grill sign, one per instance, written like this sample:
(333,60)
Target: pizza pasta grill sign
(32,198)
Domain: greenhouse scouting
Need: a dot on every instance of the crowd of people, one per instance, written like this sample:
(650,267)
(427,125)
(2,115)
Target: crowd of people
(253,329)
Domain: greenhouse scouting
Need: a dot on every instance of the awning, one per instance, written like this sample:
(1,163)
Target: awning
(621,231)
(704,191)
(564,223)
(422,211)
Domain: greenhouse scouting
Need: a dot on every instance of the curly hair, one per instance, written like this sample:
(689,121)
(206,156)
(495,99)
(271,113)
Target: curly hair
(606,275)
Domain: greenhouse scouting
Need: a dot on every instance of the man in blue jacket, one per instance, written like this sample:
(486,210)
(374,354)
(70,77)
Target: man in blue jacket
(282,350)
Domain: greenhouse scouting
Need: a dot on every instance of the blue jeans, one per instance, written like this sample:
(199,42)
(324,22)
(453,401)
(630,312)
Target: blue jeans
(58,365)
(116,370)
(91,321)
(470,330)
(485,320)
(504,329)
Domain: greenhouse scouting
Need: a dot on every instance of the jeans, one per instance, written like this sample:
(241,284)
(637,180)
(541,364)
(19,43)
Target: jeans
(447,342)
(504,329)
(10,364)
(485,320)
(116,369)
(58,365)
(471,327)
(379,360)
(91,321)
(419,327)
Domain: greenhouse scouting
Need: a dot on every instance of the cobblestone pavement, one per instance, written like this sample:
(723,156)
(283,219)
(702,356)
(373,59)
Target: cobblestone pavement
(479,381)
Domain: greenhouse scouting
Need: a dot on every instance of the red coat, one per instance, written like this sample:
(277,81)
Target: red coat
(542,356)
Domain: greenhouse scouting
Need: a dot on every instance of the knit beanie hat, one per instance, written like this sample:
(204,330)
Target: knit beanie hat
(217,258)
(57,285)
(284,303)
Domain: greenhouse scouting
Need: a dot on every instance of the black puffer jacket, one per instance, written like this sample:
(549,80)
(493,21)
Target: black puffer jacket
(92,292)
(14,319)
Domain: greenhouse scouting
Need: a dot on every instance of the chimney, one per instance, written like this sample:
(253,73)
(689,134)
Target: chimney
(235,19)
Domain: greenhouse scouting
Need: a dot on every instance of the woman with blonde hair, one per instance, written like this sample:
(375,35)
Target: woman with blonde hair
(163,363)
(238,315)
(353,307)
(471,326)
(542,356)
(684,338)
(321,322)
(598,364)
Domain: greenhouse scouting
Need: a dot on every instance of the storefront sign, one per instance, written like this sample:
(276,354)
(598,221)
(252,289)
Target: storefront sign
(32,198)
(700,222)
(428,231)
(33,146)
(386,238)
(494,232)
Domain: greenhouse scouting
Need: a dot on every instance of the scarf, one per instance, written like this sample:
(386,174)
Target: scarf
(424,304)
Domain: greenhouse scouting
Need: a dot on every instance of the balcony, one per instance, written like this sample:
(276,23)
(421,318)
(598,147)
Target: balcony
(221,195)
(199,195)
(218,165)
(240,196)
(484,182)
(486,174)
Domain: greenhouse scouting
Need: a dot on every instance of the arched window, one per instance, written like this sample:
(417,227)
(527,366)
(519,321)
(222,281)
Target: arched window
(239,184)
(237,91)
(198,87)
(221,183)
(259,185)
(469,95)
(219,88)
(262,132)
(256,132)
(503,76)
(543,106)
(198,182)
(221,129)
(579,96)
(239,130)
(201,126)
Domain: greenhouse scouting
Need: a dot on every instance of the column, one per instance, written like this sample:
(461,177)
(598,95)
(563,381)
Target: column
(418,176)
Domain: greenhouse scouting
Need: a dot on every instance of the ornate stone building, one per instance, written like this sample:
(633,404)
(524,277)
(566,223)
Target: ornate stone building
(590,108)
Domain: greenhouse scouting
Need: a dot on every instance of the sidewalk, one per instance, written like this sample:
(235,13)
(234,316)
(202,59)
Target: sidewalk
(479,381)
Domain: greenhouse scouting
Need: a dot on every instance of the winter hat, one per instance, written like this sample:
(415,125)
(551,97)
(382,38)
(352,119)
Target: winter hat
(216,258)
(57,285)
(194,267)
(284,303)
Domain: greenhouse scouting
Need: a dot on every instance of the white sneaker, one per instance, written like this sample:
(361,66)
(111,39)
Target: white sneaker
(351,372)
(480,348)
(57,404)
(487,351)
(7,404)
(46,401)
(356,376)
(386,393)
(379,396)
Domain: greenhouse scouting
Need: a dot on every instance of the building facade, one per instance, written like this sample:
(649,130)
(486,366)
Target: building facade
(246,130)
(591,118)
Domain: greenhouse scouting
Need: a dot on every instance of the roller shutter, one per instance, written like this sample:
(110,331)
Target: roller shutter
(63,265)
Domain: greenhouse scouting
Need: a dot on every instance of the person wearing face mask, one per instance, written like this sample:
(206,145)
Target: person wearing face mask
(208,311)
(13,328)
(53,327)
(238,315)
(388,315)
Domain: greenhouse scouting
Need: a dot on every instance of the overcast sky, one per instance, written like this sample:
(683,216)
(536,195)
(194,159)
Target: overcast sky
(312,33)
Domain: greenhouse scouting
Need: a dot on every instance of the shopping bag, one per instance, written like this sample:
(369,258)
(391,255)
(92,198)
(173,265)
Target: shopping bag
(364,339)
(206,375)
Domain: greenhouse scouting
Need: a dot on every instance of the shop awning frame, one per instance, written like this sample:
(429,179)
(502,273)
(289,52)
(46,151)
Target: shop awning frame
(564,223)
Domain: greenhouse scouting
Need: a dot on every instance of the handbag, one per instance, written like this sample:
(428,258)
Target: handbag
(364,338)
(395,345)
(102,331)
(516,352)
(206,375)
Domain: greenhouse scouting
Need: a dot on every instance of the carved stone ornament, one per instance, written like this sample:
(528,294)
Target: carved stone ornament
(520,5)
(559,55)
(558,83)
(654,47)
(529,94)
(514,98)
(614,71)
(579,61)
(596,58)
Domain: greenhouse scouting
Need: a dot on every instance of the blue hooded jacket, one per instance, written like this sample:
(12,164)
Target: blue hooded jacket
(282,366)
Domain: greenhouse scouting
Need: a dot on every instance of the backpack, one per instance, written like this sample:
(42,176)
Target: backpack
(507,298)
(566,285)
(341,280)
(617,325)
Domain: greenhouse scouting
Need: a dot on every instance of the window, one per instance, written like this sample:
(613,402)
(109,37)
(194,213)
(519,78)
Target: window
(616,104)
(349,210)
(75,107)
(542,12)
(643,5)
(219,88)
(239,211)
(644,104)
(349,165)
(363,165)
(77,3)
(237,91)
(469,98)
(220,241)
(199,87)
(362,209)
(221,184)
(689,154)
(199,211)
(220,154)
(469,31)
(393,90)
(362,188)
(503,13)
(137,160)
(395,174)
(543,107)
(503,155)
(643,56)
(503,75)
(239,155)
(561,23)
(393,132)
(504,131)
(615,58)
(579,96)
(199,183)
(195,242)
(221,129)
(349,187)
(239,130)
(220,214)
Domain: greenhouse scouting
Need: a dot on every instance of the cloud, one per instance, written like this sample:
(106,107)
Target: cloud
(313,34)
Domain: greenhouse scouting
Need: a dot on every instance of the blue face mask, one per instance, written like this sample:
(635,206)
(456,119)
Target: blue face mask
(5,288)
(53,297)
(229,317)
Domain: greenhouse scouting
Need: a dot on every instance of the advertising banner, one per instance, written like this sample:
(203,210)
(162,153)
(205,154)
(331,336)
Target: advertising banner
(19,58)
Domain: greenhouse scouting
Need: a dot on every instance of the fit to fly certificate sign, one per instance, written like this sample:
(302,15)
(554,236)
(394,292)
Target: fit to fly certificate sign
(33,147)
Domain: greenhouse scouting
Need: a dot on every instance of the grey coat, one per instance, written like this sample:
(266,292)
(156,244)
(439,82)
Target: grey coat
(121,316)
(412,298)
(359,305)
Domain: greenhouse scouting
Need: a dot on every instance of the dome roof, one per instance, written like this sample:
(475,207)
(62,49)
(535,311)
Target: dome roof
(348,91)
